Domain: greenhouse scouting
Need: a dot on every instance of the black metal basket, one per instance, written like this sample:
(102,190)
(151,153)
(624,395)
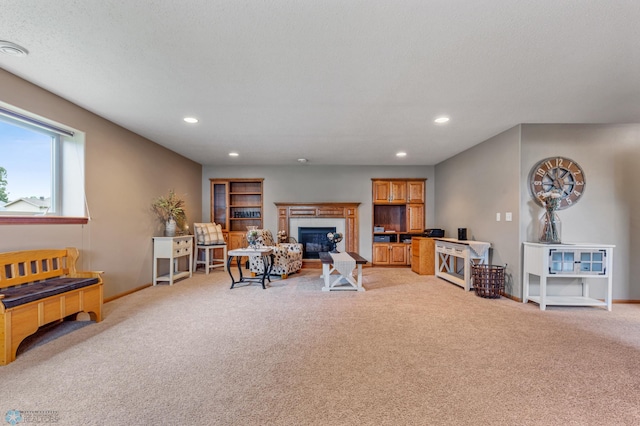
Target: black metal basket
(488,280)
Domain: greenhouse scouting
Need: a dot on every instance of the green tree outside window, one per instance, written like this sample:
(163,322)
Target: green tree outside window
(4,196)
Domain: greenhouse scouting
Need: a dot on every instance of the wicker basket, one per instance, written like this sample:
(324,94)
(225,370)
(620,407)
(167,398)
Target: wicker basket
(488,280)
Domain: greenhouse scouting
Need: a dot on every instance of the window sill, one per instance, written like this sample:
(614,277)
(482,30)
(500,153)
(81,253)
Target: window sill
(43,220)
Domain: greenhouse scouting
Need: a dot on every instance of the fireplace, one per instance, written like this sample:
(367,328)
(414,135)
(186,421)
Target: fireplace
(341,216)
(314,240)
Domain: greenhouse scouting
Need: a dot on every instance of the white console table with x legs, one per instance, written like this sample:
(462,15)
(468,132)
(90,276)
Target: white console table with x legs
(454,258)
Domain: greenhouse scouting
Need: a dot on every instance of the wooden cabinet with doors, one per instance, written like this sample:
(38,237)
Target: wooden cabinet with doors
(398,214)
(389,191)
(396,254)
(236,204)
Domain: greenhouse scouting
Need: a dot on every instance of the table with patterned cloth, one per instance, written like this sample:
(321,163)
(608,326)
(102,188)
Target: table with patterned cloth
(344,264)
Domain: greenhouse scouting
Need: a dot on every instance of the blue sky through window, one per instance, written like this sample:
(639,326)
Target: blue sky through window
(26,155)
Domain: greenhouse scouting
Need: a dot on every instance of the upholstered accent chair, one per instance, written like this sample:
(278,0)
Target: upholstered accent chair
(288,256)
(209,240)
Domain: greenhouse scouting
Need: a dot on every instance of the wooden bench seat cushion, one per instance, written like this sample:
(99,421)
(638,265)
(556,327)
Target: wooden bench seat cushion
(16,296)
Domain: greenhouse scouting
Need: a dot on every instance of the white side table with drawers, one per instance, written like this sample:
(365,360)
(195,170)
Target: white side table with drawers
(172,248)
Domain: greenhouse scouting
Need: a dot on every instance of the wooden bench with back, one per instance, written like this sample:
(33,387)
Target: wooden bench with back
(38,287)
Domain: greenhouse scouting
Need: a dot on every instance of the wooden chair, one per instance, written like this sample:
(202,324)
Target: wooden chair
(209,238)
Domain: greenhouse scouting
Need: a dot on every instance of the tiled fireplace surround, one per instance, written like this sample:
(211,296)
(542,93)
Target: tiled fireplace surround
(296,223)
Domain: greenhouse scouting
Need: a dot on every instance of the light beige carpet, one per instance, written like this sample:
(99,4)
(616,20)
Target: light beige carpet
(411,350)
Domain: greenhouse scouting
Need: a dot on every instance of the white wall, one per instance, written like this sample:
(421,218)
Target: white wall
(308,183)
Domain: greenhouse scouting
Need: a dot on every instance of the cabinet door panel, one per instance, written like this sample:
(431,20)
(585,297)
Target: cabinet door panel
(381,254)
(415,218)
(415,192)
(398,254)
(219,203)
(398,192)
(381,192)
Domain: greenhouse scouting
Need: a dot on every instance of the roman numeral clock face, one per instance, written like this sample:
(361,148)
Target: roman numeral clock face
(557,173)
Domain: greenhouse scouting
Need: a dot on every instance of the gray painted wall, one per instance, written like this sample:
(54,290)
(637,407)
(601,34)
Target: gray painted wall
(308,183)
(492,177)
(472,187)
(609,210)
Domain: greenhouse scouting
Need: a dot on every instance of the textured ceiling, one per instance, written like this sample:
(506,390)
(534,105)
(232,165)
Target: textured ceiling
(336,82)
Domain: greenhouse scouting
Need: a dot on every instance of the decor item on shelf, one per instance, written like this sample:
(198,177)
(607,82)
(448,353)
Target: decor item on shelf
(252,238)
(550,225)
(170,210)
(462,234)
(334,238)
(282,236)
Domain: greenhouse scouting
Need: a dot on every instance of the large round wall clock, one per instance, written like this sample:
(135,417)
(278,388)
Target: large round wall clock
(557,173)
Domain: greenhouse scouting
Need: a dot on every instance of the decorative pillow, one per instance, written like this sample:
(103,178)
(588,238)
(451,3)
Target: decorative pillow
(216,235)
(199,231)
(208,233)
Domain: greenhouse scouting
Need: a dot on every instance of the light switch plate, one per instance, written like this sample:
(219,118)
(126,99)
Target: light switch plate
(498,217)
(508,217)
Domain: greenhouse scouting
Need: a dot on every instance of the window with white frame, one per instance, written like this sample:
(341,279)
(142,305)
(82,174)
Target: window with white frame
(41,167)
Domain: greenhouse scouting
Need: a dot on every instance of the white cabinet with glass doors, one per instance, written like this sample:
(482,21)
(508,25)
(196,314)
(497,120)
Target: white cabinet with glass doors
(583,263)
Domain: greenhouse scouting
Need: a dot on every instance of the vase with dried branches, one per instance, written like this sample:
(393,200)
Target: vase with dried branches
(170,210)
(550,225)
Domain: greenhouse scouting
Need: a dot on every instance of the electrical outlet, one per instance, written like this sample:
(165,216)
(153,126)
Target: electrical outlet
(508,217)
(498,217)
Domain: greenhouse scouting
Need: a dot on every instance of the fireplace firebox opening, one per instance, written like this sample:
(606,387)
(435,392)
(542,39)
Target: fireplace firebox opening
(314,241)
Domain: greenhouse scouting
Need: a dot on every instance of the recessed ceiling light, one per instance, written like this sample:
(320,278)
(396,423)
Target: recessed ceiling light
(233,154)
(190,120)
(12,49)
(401,154)
(302,160)
(441,120)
